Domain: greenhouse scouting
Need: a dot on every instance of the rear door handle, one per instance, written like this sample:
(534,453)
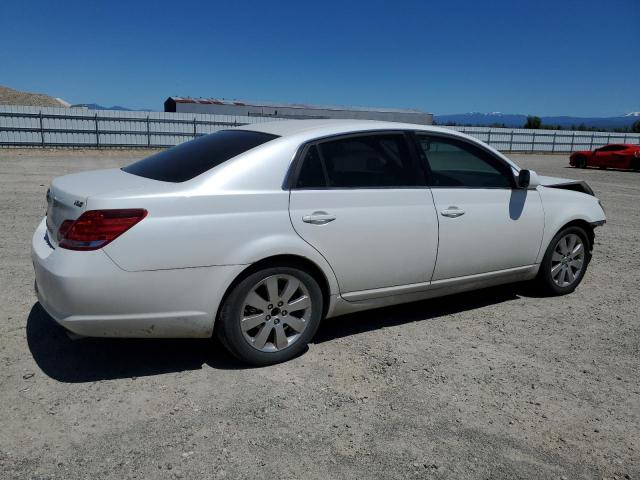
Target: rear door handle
(452,212)
(318,218)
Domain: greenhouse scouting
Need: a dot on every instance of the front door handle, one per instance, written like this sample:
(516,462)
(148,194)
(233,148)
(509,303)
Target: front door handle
(452,212)
(318,218)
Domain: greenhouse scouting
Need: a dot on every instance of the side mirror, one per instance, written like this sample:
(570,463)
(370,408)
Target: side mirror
(524,177)
(527,179)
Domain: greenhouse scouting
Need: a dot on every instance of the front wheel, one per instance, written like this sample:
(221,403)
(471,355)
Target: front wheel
(581,162)
(271,315)
(565,262)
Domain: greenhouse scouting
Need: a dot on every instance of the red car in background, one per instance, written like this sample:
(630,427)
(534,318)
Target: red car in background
(609,156)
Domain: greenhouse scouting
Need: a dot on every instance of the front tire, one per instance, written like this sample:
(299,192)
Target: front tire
(581,162)
(565,262)
(270,316)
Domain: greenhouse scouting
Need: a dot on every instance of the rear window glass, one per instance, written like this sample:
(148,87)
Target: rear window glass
(188,160)
(312,174)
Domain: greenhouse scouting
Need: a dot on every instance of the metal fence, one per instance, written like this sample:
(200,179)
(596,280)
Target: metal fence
(65,127)
(70,127)
(546,141)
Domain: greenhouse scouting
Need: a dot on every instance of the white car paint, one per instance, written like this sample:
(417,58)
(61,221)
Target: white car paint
(371,227)
(166,276)
(500,229)
(90,295)
(564,206)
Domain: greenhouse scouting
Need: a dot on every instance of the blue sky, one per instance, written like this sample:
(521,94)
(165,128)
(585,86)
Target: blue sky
(544,57)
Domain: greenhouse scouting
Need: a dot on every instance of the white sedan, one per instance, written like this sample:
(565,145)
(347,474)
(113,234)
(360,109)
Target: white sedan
(257,233)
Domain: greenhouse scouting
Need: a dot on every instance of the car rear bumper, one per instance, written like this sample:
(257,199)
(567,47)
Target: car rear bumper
(88,294)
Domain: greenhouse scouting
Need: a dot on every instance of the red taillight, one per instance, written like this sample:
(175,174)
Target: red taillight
(64,228)
(96,228)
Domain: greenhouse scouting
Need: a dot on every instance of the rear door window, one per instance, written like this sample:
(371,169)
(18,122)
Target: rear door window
(190,159)
(312,173)
(367,161)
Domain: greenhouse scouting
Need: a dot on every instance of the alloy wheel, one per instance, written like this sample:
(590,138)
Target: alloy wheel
(567,260)
(275,312)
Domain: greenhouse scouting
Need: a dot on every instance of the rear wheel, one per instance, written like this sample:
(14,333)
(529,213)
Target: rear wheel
(270,316)
(635,164)
(565,262)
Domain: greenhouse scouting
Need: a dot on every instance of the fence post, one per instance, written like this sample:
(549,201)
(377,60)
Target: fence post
(608,139)
(511,142)
(553,146)
(573,138)
(41,129)
(533,141)
(148,133)
(194,127)
(97,131)
(591,145)
(489,137)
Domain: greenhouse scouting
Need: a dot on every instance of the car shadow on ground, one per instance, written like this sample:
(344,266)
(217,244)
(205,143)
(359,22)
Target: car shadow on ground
(613,169)
(93,359)
(425,310)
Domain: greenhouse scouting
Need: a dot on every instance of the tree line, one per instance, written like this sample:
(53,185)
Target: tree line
(535,123)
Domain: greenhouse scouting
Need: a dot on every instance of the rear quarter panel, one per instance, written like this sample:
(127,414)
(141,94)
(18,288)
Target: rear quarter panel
(225,228)
(235,214)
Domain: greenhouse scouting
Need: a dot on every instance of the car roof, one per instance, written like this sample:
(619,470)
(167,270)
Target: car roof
(319,128)
(302,131)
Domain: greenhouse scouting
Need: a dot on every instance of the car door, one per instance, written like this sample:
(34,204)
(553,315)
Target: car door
(612,156)
(486,224)
(601,157)
(362,202)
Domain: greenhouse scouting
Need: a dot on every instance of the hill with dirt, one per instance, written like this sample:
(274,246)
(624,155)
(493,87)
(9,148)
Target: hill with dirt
(9,96)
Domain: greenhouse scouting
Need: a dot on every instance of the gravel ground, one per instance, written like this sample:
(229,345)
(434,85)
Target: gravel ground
(494,384)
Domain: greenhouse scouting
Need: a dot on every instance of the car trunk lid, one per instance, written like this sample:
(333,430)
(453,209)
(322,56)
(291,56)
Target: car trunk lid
(68,196)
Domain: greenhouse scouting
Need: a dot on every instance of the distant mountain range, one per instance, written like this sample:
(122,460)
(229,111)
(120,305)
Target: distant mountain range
(95,106)
(518,120)
(484,119)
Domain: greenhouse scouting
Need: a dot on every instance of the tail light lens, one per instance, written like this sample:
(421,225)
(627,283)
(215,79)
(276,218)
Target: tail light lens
(96,228)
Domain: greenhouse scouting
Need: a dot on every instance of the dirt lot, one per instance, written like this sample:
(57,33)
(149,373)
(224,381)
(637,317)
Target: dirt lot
(494,384)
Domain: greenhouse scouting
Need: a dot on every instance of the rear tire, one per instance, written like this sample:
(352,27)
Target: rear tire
(270,316)
(565,262)
(635,164)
